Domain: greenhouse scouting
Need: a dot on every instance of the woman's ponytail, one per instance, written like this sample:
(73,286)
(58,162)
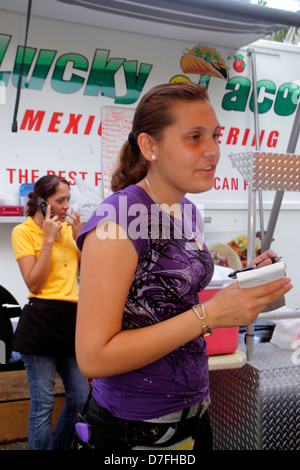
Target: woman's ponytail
(132,166)
(31,206)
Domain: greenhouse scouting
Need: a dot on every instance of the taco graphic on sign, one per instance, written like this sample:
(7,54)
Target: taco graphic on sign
(204,61)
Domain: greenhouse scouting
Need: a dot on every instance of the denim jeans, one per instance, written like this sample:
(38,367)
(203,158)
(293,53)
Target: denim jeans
(41,371)
(109,433)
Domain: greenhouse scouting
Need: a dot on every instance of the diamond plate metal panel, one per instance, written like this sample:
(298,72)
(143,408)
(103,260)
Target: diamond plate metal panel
(257,407)
(268,171)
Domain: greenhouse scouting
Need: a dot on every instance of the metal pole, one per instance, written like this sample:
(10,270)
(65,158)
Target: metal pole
(251,52)
(252,209)
(250,255)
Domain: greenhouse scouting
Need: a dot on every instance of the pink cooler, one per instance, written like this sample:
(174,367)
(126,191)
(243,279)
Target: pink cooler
(222,340)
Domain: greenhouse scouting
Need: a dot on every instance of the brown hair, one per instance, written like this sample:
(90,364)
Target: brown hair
(152,115)
(45,187)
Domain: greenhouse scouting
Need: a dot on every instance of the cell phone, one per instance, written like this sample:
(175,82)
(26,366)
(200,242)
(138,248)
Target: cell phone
(43,207)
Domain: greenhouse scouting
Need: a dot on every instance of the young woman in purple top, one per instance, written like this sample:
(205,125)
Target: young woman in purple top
(140,326)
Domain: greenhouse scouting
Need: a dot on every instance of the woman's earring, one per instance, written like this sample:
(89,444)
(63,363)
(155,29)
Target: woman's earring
(153,157)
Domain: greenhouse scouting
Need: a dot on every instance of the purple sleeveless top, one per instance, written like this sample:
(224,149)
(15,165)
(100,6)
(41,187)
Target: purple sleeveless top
(171,271)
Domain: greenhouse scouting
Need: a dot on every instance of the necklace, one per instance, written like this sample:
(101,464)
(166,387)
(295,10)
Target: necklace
(64,251)
(195,239)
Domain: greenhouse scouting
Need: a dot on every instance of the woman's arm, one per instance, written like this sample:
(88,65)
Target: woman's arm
(35,271)
(103,349)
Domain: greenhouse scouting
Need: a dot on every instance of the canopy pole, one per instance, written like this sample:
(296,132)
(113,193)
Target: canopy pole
(14,126)
(252,208)
(250,255)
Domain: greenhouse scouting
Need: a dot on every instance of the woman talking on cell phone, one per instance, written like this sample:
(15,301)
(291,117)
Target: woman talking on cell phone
(46,251)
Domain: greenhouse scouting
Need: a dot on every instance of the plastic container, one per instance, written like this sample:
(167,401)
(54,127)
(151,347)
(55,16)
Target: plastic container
(11,211)
(222,340)
(24,190)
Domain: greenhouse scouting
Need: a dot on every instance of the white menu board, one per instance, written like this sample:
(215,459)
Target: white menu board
(116,125)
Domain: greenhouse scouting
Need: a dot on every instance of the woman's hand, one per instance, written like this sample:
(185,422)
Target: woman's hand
(51,226)
(264,258)
(233,306)
(76,224)
(239,307)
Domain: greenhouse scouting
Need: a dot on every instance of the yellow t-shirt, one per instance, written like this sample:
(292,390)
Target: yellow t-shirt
(62,281)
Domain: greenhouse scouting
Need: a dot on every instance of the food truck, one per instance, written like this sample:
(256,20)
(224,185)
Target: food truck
(71,75)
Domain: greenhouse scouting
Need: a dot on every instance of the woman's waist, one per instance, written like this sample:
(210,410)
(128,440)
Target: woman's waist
(152,392)
(53,304)
(139,406)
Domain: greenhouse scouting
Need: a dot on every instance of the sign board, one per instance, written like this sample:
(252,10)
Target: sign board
(116,125)
(71,80)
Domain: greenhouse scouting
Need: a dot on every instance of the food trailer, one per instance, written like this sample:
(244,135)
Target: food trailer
(71,75)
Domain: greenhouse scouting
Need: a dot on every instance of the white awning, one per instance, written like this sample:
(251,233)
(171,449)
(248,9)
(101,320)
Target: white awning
(213,22)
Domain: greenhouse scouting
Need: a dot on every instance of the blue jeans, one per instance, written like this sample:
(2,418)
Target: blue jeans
(41,371)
